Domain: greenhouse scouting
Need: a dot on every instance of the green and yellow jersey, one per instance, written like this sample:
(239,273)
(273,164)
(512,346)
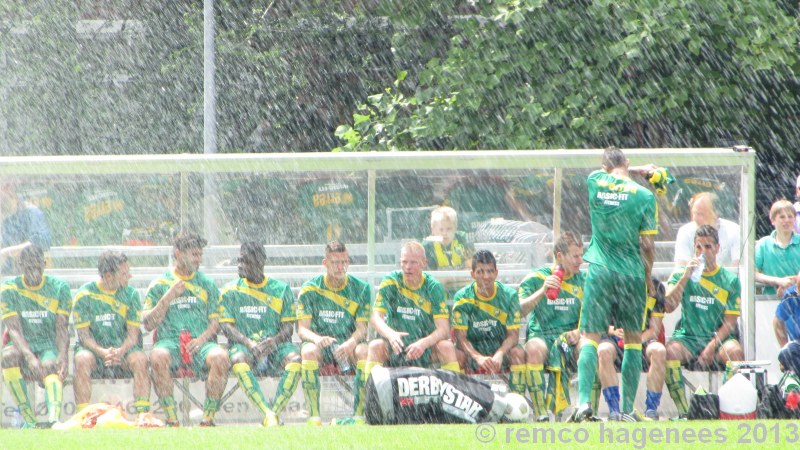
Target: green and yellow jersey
(107,314)
(334,312)
(411,309)
(37,308)
(486,320)
(257,310)
(553,317)
(192,311)
(705,304)
(621,210)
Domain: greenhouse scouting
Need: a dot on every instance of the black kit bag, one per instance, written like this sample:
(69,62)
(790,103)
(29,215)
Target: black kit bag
(704,406)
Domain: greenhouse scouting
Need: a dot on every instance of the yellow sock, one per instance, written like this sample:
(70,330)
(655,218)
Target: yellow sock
(311,386)
(452,366)
(536,386)
(517,380)
(54,394)
(368,368)
(19,391)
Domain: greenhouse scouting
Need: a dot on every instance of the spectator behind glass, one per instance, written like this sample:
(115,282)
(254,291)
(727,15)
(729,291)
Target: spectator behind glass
(704,212)
(23,224)
(778,254)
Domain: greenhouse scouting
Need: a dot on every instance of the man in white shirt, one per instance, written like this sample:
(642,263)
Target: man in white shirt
(704,213)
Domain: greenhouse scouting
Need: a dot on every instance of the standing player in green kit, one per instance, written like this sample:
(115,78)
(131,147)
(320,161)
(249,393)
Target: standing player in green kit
(35,309)
(333,312)
(620,255)
(258,315)
(108,316)
(185,303)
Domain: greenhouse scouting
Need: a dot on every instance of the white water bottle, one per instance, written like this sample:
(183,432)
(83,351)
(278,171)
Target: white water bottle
(698,271)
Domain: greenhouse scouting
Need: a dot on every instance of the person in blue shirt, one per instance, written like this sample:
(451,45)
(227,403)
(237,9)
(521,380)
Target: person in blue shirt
(786,324)
(23,224)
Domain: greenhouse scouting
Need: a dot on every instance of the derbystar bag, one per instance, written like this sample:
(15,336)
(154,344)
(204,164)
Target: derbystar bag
(411,395)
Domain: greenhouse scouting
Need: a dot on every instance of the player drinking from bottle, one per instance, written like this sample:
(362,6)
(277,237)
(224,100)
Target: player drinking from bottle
(552,319)
(185,302)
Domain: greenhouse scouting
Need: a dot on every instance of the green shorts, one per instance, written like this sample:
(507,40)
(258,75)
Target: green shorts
(270,365)
(101,371)
(548,338)
(695,345)
(198,364)
(610,296)
(327,355)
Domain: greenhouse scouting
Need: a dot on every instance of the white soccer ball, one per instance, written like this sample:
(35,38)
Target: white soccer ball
(196,415)
(517,409)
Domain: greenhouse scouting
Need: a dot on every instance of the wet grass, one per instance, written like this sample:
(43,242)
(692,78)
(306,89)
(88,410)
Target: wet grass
(673,435)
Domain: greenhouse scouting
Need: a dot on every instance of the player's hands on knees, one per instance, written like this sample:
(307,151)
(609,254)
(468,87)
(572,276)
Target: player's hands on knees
(396,341)
(194,345)
(497,362)
(265,346)
(345,349)
(325,341)
(113,357)
(706,357)
(415,349)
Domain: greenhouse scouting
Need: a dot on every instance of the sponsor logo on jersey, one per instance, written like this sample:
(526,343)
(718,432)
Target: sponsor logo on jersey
(562,303)
(184,302)
(334,317)
(34,316)
(701,302)
(408,313)
(105,320)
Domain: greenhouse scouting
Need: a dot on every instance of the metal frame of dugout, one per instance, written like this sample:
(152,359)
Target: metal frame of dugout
(741,161)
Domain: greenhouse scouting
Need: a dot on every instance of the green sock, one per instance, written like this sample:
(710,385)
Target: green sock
(210,408)
(596,389)
(517,380)
(286,387)
(250,386)
(536,386)
(311,386)
(359,389)
(54,393)
(587,370)
(168,403)
(675,385)
(19,391)
(631,372)
(142,404)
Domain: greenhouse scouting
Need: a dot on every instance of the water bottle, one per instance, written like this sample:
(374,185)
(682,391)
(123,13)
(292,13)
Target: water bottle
(552,293)
(698,271)
(343,362)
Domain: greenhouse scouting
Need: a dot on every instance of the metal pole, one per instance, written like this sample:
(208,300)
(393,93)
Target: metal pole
(210,199)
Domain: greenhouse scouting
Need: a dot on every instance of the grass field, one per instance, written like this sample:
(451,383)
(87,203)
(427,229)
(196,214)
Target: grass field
(673,435)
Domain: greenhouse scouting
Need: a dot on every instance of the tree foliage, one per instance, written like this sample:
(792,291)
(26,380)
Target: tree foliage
(557,74)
